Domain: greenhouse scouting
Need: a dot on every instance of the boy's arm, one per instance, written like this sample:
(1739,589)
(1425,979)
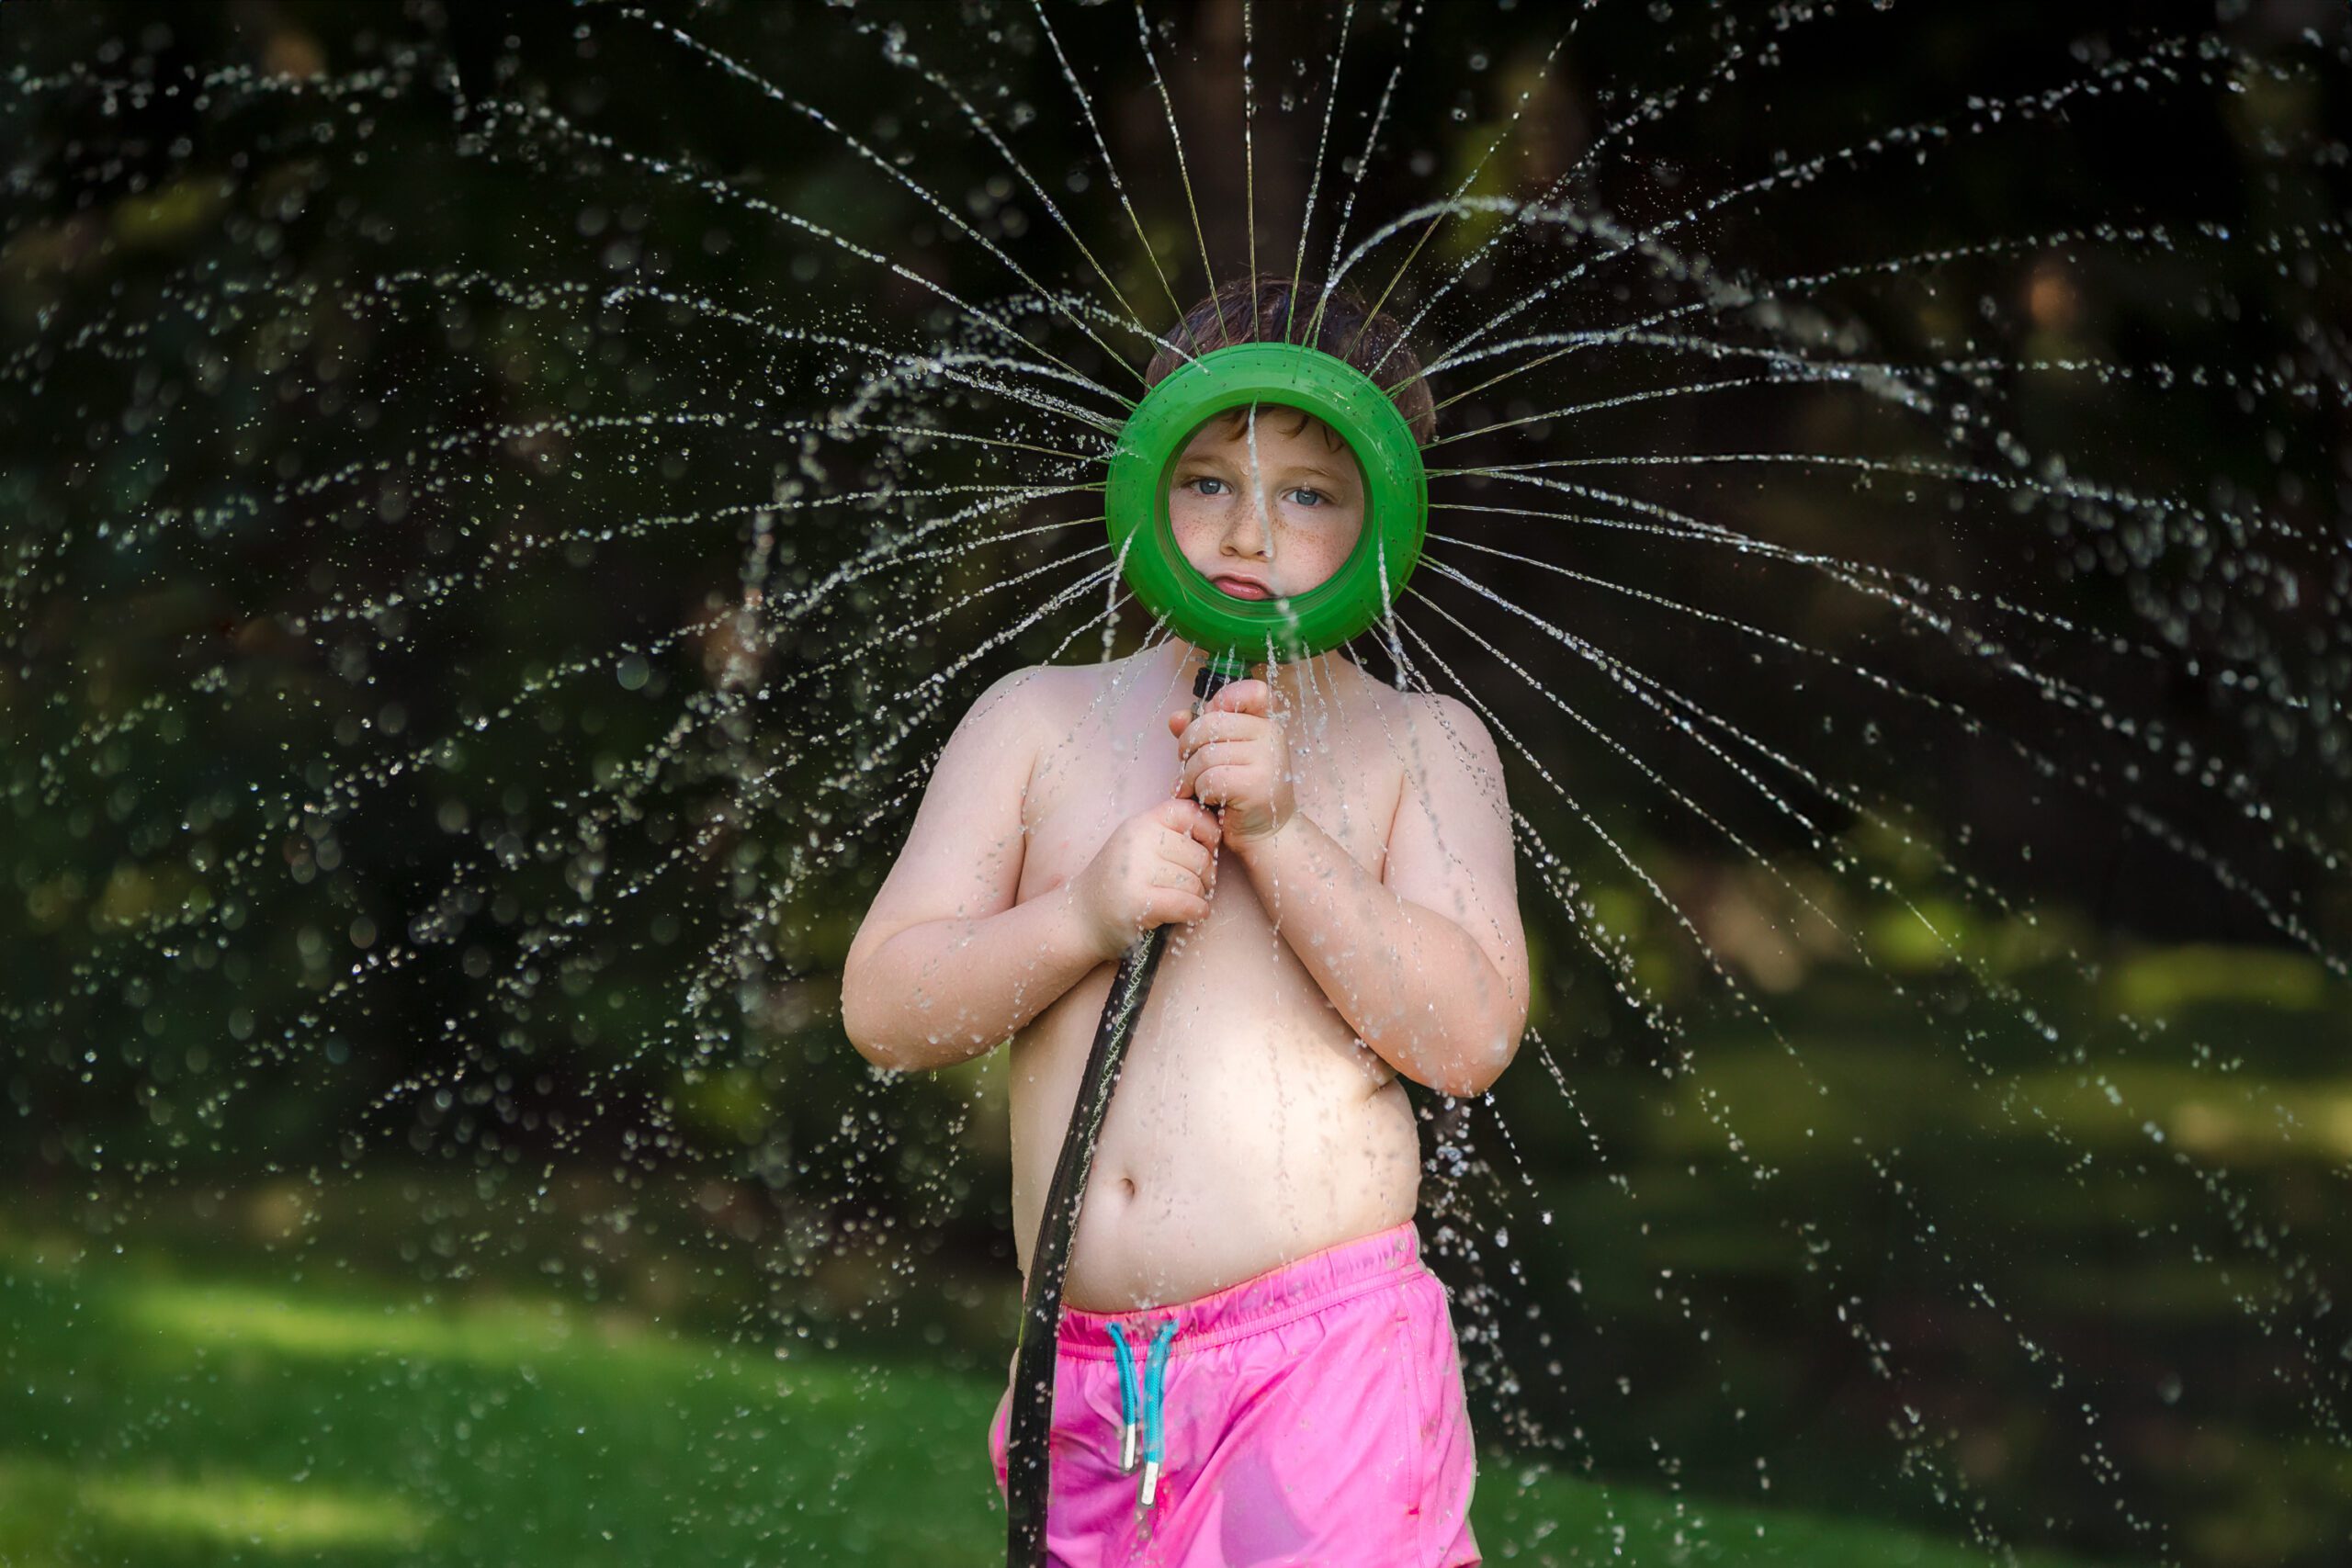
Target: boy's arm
(945,964)
(1427,963)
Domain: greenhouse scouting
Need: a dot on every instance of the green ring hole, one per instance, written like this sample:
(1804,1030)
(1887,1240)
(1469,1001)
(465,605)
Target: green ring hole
(1235,632)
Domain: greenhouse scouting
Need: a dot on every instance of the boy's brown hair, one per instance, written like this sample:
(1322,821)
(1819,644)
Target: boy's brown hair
(1259,309)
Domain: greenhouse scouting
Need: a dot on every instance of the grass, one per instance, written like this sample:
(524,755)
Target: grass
(159,1413)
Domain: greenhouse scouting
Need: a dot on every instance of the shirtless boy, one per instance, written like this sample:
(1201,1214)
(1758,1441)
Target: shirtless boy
(1255,1365)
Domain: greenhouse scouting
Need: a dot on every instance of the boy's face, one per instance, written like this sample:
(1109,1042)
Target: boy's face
(1261,510)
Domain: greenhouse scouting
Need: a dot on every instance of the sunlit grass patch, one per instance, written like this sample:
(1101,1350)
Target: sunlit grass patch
(2169,979)
(241,1511)
(486,1328)
(158,1506)
(491,1333)
(2121,1103)
(511,1334)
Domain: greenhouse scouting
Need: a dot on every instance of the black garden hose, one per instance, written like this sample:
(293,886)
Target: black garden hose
(1027,1461)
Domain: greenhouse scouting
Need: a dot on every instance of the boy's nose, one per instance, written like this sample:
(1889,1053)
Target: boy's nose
(1247,529)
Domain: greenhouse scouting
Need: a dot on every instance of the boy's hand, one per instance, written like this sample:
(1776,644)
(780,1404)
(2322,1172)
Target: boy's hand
(1236,756)
(1158,866)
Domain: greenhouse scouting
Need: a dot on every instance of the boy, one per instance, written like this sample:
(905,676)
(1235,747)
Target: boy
(1255,1366)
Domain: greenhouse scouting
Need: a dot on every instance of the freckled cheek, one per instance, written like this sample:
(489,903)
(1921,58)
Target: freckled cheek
(1195,533)
(1324,545)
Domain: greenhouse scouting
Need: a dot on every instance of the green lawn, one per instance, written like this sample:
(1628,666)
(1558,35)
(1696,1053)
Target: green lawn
(154,1415)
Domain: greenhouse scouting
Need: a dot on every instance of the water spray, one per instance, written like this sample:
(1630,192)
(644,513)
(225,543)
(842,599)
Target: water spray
(1234,632)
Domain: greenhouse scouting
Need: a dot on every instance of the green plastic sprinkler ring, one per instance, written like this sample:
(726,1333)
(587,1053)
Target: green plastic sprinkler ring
(1237,632)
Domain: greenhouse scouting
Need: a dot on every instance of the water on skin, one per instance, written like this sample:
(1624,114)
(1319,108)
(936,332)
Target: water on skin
(841,736)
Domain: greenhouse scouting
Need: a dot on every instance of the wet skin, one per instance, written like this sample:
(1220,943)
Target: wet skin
(1254,1123)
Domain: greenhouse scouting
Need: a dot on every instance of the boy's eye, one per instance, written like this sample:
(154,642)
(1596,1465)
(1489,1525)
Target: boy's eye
(1204,485)
(1307,497)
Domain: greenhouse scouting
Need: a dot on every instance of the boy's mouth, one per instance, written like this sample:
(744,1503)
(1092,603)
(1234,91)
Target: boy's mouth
(1240,588)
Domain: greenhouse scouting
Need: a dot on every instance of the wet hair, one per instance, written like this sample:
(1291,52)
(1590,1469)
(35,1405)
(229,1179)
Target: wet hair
(1259,309)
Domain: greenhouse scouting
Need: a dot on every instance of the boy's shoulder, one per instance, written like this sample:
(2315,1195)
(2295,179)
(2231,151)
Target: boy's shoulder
(1460,762)
(1433,716)
(1019,698)
(1448,715)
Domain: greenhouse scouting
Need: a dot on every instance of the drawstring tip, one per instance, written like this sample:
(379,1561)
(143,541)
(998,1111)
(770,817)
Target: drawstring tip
(1150,1481)
(1128,1447)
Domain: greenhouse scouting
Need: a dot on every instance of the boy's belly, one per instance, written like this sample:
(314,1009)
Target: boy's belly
(1249,1128)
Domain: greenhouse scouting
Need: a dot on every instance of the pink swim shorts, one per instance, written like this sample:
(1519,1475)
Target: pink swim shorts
(1313,1414)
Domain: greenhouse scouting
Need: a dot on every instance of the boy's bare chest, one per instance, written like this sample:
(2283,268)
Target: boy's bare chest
(1109,762)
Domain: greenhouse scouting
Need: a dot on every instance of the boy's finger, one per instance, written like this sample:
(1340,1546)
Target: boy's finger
(1242,696)
(1228,778)
(1205,832)
(1183,910)
(1173,875)
(1190,787)
(1209,752)
(1215,727)
(1200,823)
(1177,849)
(1192,855)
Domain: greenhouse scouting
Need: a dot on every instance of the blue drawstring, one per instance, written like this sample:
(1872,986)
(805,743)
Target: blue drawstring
(1155,1435)
(1126,1400)
(1155,1441)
